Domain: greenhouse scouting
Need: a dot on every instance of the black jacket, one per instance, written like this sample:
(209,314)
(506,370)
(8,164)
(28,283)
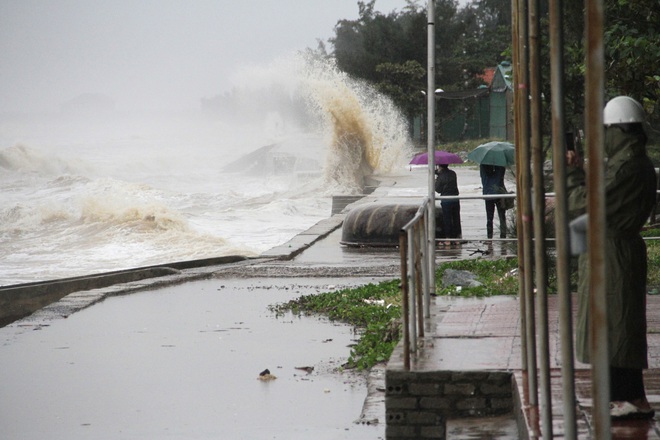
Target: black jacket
(445,183)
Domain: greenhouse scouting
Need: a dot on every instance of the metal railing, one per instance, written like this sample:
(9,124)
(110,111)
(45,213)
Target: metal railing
(415,279)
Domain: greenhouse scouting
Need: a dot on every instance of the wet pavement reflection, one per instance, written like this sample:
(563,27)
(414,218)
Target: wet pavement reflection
(183,362)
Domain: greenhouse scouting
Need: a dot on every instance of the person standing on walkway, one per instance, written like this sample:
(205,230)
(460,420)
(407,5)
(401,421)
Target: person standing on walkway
(492,182)
(630,195)
(446,184)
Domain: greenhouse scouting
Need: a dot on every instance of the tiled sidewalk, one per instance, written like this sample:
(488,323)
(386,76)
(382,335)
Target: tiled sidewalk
(481,334)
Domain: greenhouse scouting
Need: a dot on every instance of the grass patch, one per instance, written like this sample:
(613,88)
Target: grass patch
(375,309)
(498,277)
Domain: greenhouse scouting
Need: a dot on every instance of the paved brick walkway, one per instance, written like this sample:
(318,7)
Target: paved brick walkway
(480,334)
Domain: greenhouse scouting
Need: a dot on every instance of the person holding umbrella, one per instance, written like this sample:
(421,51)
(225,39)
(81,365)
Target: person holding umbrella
(492,158)
(492,182)
(446,184)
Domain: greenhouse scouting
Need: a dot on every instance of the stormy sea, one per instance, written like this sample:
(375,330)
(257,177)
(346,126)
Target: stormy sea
(87,191)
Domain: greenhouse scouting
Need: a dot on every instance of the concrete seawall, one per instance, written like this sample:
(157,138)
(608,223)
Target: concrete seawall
(18,301)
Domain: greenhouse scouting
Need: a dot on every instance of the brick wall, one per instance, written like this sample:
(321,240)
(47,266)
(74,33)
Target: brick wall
(418,403)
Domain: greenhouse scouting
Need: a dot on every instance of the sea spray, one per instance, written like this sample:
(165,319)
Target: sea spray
(368,135)
(80,196)
(348,161)
(363,132)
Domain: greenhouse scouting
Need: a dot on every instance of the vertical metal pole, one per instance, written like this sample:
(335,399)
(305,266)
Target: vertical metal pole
(594,103)
(517,106)
(403,254)
(430,99)
(525,199)
(539,217)
(419,274)
(426,263)
(561,218)
(412,244)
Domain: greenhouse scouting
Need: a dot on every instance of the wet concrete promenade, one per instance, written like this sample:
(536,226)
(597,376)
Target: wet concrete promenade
(463,334)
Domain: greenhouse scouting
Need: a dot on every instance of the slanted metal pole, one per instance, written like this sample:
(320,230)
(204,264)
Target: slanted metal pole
(594,103)
(430,100)
(539,217)
(561,218)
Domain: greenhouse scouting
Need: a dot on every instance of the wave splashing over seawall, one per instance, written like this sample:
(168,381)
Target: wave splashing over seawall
(364,134)
(80,196)
(367,133)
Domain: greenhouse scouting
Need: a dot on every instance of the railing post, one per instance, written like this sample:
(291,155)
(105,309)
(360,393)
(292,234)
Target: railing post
(414,282)
(428,266)
(403,253)
(412,289)
(419,264)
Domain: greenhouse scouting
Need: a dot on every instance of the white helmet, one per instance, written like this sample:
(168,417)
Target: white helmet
(623,110)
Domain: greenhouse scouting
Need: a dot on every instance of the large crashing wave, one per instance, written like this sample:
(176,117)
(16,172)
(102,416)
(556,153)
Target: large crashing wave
(365,134)
(368,135)
(129,193)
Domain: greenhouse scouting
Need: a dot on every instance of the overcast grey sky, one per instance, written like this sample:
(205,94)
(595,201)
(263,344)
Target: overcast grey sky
(150,54)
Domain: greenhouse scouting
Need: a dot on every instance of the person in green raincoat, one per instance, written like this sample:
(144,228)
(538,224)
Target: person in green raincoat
(630,195)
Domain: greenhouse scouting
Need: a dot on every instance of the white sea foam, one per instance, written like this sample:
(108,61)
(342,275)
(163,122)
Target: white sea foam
(80,197)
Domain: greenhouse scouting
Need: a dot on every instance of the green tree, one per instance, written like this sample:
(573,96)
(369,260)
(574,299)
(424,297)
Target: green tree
(632,51)
(390,50)
(404,84)
(477,36)
(485,30)
(361,45)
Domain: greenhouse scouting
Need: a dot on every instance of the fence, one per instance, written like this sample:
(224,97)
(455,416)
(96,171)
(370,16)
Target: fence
(416,276)
(415,279)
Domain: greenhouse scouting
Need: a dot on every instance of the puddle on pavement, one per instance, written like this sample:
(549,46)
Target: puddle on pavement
(182,362)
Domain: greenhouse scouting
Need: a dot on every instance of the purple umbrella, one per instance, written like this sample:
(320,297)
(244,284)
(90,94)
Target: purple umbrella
(441,158)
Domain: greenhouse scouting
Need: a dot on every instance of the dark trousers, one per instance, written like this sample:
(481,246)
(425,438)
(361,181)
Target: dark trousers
(451,219)
(626,384)
(491,204)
